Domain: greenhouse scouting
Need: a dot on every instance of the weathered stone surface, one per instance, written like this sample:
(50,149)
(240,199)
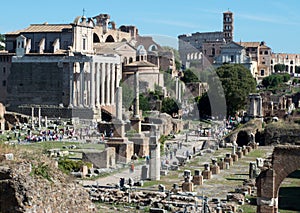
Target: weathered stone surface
(22,190)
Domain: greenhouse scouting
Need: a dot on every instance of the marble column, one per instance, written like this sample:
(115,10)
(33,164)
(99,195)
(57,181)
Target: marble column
(98,82)
(108,82)
(93,66)
(176,88)
(81,101)
(136,112)
(112,89)
(119,102)
(71,77)
(154,157)
(102,74)
(118,74)
(39,118)
(32,117)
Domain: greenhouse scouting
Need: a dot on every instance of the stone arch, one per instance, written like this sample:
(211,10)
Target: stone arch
(96,38)
(109,38)
(243,138)
(285,160)
(124,40)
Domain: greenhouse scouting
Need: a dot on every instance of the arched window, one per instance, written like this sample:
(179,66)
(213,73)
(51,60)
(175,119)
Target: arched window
(188,57)
(152,47)
(291,69)
(130,60)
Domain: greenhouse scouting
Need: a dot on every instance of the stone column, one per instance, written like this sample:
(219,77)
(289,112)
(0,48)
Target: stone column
(107,66)
(98,82)
(71,79)
(81,102)
(118,74)
(179,91)
(32,117)
(103,71)
(119,102)
(154,157)
(93,66)
(112,89)
(39,119)
(136,112)
(260,112)
(176,89)
(118,122)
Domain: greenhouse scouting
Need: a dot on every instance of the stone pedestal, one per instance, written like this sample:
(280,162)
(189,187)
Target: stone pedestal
(198,180)
(234,157)
(119,128)
(206,174)
(141,144)
(144,174)
(245,151)
(124,149)
(136,124)
(222,163)
(187,186)
(240,154)
(249,148)
(228,159)
(215,169)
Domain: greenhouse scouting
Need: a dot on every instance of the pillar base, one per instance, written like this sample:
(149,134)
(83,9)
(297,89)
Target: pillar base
(124,149)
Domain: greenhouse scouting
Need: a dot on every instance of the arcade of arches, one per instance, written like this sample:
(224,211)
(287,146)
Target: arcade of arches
(285,160)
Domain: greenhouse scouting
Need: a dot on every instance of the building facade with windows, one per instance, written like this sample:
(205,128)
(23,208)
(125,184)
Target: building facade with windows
(290,61)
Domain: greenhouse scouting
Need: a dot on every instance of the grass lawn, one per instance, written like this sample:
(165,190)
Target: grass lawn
(60,144)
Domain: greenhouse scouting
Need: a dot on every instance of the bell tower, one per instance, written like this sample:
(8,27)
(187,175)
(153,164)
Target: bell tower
(228,26)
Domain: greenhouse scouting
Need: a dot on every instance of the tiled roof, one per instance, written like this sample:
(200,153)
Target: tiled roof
(42,28)
(141,64)
(249,44)
(111,45)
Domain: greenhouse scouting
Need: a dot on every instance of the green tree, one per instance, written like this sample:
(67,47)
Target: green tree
(279,67)
(144,103)
(169,106)
(128,94)
(2,39)
(189,76)
(237,83)
(274,80)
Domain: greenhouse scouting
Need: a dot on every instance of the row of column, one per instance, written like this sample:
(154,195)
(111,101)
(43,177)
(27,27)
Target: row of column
(95,88)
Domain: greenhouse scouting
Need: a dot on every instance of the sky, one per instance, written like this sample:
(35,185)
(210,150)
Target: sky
(277,22)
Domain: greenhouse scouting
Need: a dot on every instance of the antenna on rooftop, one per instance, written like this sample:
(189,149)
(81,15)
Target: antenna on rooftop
(83,12)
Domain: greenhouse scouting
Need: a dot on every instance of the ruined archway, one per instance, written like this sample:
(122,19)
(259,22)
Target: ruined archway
(243,138)
(110,39)
(285,160)
(96,38)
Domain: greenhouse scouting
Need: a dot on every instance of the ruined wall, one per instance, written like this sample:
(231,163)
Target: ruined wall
(24,191)
(282,133)
(101,159)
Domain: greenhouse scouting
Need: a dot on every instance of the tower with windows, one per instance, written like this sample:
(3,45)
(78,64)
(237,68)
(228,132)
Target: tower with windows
(228,26)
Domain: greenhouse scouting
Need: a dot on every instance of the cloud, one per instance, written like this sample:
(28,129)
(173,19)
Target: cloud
(273,20)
